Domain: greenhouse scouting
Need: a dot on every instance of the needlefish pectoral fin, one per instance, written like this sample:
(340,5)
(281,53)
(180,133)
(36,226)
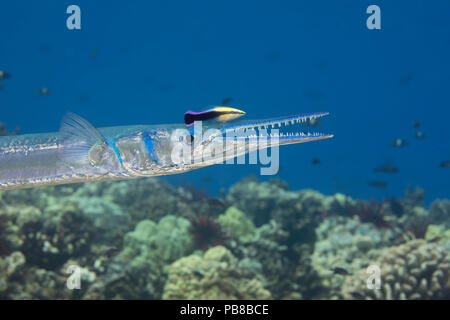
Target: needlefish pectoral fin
(80,140)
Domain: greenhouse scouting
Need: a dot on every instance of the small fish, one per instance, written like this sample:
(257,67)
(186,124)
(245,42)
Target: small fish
(340,271)
(435,239)
(112,252)
(338,184)
(399,143)
(445,164)
(206,179)
(396,206)
(43,91)
(386,168)
(357,295)
(316,161)
(406,79)
(4,75)
(198,273)
(227,101)
(377,184)
(220,114)
(217,203)
(416,124)
(419,135)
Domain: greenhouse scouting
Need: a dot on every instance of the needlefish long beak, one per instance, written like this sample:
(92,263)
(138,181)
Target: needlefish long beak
(219,114)
(275,128)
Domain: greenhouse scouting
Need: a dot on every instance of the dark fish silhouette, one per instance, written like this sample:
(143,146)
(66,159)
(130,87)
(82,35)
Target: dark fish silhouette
(357,295)
(220,114)
(377,184)
(396,206)
(198,273)
(4,75)
(416,124)
(217,203)
(112,252)
(386,168)
(206,179)
(316,161)
(340,271)
(445,164)
(406,79)
(435,239)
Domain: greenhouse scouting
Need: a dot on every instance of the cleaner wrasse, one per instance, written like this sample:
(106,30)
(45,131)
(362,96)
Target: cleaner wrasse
(220,114)
(81,153)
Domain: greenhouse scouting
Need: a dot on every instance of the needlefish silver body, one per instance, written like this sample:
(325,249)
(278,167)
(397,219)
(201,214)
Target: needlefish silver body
(81,153)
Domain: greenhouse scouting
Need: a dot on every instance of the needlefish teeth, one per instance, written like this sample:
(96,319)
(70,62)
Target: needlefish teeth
(79,152)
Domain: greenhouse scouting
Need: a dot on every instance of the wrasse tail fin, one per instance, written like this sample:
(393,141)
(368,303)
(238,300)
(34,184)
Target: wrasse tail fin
(78,136)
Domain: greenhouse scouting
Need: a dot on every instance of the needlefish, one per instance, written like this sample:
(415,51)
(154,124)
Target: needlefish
(79,152)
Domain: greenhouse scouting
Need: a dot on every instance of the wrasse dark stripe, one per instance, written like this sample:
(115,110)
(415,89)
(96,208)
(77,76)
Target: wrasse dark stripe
(190,116)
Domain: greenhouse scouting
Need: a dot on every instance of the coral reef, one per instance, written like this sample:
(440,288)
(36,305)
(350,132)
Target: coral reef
(206,232)
(19,281)
(236,224)
(414,270)
(139,270)
(347,244)
(4,243)
(260,240)
(216,275)
(437,233)
(440,212)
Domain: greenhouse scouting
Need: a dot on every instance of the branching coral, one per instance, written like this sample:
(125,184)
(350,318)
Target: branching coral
(415,270)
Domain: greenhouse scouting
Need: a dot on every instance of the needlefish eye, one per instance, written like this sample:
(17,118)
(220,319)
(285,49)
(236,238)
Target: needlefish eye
(96,153)
(99,153)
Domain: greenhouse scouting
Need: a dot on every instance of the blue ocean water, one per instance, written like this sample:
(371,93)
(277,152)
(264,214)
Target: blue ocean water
(141,62)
